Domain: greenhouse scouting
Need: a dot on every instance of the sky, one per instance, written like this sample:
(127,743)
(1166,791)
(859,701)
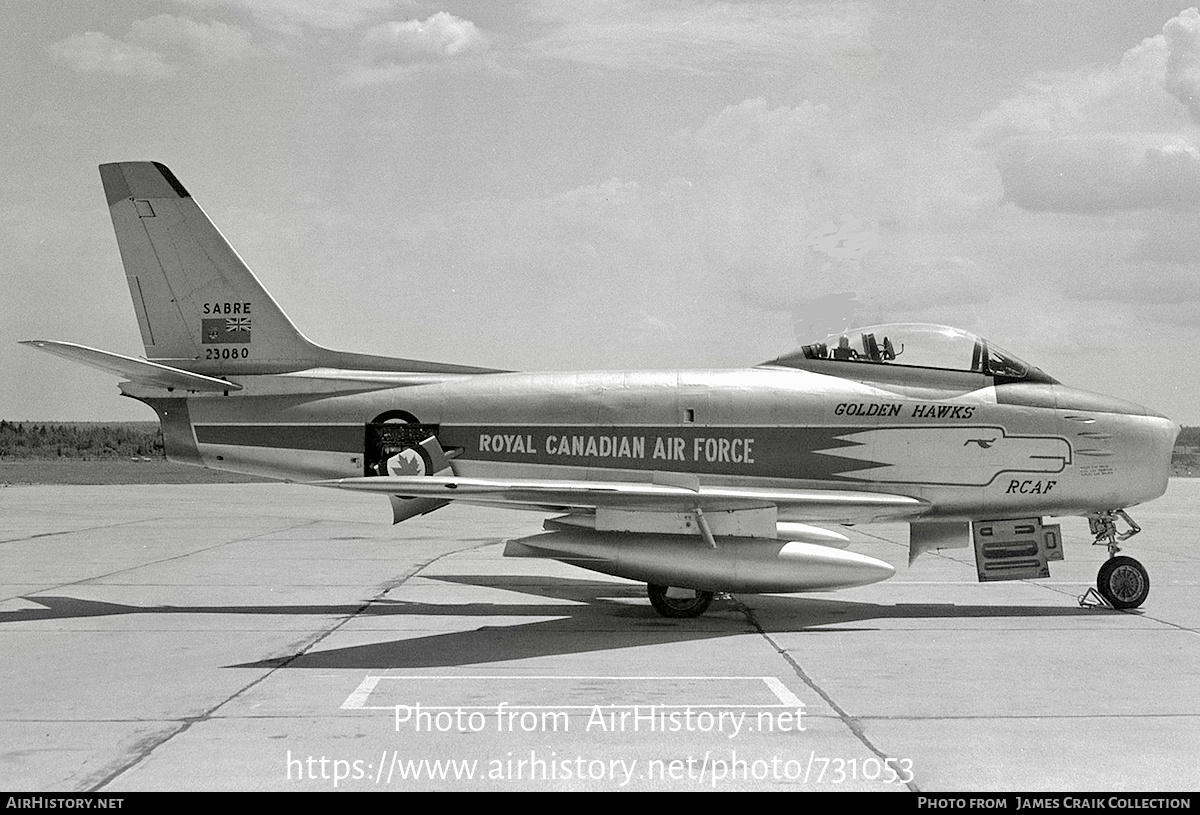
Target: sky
(651,184)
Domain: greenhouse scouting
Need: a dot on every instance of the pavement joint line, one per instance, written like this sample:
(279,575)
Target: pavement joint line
(77,531)
(1041,584)
(147,746)
(186,723)
(879,538)
(1136,613)
(180,556)
(1168,624)
(896,727)
(851,722)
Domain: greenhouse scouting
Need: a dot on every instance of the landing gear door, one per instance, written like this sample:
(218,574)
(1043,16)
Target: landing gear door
(408,450)
(1015,549)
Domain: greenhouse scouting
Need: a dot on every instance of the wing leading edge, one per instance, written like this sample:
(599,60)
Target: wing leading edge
(829,506)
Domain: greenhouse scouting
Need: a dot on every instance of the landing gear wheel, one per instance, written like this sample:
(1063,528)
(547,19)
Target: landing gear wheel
(1123,582)
(689,606)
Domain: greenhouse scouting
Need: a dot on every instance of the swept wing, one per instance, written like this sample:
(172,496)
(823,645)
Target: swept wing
(829,506)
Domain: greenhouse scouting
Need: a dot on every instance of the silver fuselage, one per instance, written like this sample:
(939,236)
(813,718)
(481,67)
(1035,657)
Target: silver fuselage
(970,447)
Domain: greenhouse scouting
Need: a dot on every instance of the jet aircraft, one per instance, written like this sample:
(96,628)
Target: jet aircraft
(692,481)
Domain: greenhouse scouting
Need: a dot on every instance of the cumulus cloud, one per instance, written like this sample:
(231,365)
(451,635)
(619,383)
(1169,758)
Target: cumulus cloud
(747,133)
(1182,39)
(97,53)
(789,201)
(1099,174)
(213,42)
(782,220)
(785,222)
(1106,139)
(548,262)
(691,37)
(154,47)
(810,219)
(1151,88)
(442,36)
(392,51)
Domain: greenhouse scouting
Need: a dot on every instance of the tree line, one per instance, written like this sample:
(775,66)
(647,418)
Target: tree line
(35,440)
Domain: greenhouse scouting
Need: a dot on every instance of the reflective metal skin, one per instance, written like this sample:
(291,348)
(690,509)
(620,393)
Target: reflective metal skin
(704,480)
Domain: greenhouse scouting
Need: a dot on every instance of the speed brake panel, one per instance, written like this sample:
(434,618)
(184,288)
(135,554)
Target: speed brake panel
(1015,549)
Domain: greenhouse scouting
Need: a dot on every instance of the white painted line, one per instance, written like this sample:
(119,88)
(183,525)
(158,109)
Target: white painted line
(358,699)
(608,706)
(521,677)
(785,696)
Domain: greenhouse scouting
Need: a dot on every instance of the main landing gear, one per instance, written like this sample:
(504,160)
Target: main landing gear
(675,602)
(1122,581)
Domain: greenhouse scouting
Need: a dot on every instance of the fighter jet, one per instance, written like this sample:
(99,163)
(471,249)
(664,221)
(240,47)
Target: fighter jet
(692,481)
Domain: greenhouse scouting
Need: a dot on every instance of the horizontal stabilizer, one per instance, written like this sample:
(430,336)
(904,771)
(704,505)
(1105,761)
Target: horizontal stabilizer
(141,371)
(840,506)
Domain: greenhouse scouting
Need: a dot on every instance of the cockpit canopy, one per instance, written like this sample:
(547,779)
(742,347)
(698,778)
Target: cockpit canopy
(919,345)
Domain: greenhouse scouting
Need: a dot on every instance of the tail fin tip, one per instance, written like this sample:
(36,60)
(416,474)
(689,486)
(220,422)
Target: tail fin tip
(140,179)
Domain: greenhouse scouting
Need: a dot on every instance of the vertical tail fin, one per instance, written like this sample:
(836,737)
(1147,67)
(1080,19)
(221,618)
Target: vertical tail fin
(198,305)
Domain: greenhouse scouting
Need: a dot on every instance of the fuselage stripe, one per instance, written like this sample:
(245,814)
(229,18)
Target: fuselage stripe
(332,438)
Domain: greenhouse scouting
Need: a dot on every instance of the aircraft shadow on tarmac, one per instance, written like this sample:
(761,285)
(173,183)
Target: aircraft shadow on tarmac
(599,616)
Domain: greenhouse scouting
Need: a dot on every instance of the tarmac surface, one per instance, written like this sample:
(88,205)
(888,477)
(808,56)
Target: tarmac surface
(282,637)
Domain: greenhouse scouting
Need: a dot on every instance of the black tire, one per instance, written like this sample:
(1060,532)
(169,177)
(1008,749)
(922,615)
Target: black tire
(678,607)
(1123,582)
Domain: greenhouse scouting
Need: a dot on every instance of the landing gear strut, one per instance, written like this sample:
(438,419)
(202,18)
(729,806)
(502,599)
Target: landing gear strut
(1122,581)
(674,602)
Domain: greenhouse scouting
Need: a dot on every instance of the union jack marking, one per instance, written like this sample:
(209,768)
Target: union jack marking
(237,324)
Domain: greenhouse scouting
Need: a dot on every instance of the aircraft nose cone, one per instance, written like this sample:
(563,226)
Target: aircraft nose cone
(1163,433)
(1150,458)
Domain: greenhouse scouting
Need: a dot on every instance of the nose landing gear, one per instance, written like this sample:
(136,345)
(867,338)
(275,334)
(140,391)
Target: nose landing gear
(1122,581)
